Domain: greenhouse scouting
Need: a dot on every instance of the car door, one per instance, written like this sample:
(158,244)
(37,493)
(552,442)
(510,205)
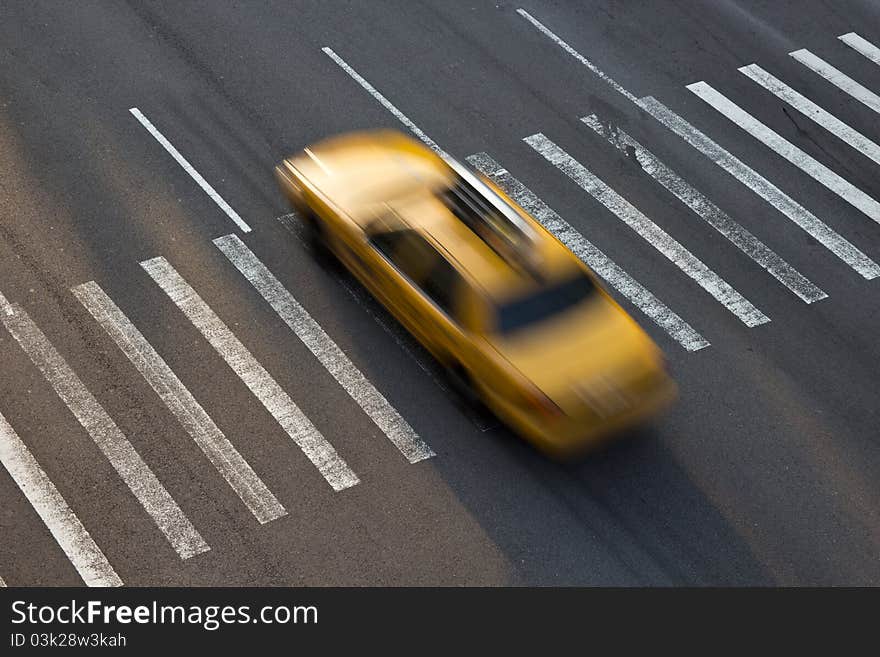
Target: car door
(441,291)
(419,286)
(388,274)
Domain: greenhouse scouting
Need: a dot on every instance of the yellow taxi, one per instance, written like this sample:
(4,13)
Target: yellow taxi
(518,320)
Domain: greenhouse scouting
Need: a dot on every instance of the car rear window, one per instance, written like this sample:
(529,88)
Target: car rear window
(546,303)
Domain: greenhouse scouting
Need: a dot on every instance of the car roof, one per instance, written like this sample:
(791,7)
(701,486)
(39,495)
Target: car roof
(498,276)
(361,171)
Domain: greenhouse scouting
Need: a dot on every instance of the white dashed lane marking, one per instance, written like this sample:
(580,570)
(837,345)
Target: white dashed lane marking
(195,175)
(387,104)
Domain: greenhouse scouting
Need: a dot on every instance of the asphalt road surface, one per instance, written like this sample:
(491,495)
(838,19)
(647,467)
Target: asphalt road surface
(150,419)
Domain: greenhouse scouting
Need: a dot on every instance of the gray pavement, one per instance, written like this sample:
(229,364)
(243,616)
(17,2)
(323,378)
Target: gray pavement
(766,471)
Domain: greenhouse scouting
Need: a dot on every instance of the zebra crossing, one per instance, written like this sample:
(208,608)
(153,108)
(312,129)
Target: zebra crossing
(704,208)
(745,174)
(861,46)
(62,521)
(775,197)
(812,111)
(136,474)
(780,145)
(667,245)
(293,421)
(318,449)
(634,291)
(838,78)
(198,424)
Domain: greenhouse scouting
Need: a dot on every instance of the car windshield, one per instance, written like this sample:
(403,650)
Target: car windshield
(550,301)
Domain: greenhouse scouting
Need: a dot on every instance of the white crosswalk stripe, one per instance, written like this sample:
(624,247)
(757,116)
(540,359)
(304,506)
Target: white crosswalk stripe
(838,78)
(862,46)
(709,212)
(192,417)
(809,109)
(383,414)
(619,279)
(279,404)
(806,220)
(136,474)
(67,530)
(777,143)
(649,231)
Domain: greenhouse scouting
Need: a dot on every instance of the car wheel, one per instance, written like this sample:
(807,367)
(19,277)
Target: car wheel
(317,238)
(467,395)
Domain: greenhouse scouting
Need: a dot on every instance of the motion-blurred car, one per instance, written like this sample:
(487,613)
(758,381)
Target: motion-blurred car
(519,321)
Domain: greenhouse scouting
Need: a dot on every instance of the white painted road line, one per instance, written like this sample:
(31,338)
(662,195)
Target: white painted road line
(709,212)
(279,404)
(328,353)
(197,423)
(648,230)
(574,53)
(862,46)
(806,220)
(122,455)
(838,78)
(2,583)
(384,101)
(201,182)
(812,111)
(616,277)
(778,144)
(86,557)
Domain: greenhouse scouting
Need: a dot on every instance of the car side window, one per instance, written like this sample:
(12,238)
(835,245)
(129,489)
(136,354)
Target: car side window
(386,242)
(407,250)
(411,253)
(442,284)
